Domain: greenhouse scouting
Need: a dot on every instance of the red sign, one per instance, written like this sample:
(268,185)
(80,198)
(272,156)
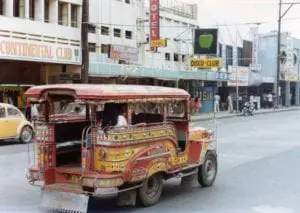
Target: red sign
(154,21)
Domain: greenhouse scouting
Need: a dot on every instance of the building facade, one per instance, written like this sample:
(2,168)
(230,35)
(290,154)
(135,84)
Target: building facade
(120,45)
(40,42)
(289,65)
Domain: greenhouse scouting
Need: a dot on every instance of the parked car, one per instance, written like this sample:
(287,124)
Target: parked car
(13,124)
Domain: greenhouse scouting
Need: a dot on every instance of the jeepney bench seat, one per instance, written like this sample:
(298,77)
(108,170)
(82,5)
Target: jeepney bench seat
(68,142)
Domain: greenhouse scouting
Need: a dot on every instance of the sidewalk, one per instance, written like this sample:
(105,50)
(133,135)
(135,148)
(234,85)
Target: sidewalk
(222,115)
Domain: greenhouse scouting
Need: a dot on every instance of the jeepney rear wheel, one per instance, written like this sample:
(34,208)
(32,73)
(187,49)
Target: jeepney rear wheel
(149,194)
(207,172)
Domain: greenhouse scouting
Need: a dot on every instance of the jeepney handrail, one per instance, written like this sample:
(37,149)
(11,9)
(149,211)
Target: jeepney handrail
(84,138)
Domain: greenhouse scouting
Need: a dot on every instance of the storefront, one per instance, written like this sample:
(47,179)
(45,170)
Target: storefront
(24,63)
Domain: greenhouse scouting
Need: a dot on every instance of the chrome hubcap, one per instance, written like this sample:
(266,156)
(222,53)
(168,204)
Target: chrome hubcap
(26,135)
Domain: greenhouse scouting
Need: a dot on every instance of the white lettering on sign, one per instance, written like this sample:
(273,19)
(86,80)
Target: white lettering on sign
(154,20)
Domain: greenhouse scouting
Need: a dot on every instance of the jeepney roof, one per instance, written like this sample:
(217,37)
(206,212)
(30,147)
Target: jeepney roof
(109,91)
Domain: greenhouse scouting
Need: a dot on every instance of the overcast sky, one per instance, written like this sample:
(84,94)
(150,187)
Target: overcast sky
(218,12)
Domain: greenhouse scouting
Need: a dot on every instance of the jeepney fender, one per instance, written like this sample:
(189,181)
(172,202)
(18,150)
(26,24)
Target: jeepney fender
(204,151)
(148,162)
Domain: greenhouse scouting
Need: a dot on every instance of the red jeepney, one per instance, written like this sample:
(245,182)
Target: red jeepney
(94,140)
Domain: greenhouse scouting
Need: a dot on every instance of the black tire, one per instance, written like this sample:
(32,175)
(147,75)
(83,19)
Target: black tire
(208,170)
(149,194)
(26,134)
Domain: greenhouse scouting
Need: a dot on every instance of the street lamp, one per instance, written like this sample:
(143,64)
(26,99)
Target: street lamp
(280,17)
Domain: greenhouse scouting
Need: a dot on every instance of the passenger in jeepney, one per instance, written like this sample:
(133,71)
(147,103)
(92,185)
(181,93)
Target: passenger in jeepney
(122,120)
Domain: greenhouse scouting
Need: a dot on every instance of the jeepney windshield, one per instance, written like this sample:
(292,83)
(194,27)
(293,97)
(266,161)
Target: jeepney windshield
(73,108)
(176,109)
(61,108)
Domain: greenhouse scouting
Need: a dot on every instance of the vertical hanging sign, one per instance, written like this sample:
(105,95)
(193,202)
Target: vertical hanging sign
(154,21)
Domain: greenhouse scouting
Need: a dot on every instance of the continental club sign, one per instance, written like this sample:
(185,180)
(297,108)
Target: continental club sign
(18,49)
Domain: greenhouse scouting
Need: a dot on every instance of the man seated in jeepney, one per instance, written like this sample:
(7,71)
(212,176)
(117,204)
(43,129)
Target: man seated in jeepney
(122,120)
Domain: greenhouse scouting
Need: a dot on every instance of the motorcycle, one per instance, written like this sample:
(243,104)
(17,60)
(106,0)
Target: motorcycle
(248,109)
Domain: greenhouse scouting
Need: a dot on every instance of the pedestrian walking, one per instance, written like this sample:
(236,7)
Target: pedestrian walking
(217,103)
(230,104)
(197,104)
(28,111)
(270,100)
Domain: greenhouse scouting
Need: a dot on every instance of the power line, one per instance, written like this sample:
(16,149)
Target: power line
(201,26)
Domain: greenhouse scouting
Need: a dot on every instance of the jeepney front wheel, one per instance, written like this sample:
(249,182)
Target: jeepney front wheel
(208,170)
(149,194)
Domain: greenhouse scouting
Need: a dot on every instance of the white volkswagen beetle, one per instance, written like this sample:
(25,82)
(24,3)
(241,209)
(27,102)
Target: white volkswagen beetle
(13,124)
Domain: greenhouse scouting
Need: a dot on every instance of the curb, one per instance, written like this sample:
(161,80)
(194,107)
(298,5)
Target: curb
(255,113)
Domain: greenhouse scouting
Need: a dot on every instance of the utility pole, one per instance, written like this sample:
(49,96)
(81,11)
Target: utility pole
(277,82)
(84,42)
(280,17)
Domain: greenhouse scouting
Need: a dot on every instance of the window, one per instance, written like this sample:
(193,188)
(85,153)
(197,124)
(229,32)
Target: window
(104,30)
(105,48)
(92,47)
(128,34)
(92,28)
(240,56)
(74,15)
(167,56)
(1,8)
(176,57)
(63,14)
(220,50)
(31,9)
(13,112)
(2,113)
(229,55)
(19,8)
(117,32)
(127,1)
(183,58)
(46,12)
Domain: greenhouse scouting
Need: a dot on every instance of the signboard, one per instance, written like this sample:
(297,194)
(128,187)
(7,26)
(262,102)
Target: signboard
(289,76)
(255,67)
(206,63)
(268,79)
(254,64)
(206,41)
(69,76)
(27,50)
(239,76)
(222,76)
(158,43)
(126,53)
(154,21)
(290,54)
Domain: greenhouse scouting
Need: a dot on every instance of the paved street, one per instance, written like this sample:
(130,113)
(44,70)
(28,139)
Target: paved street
(258,172)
